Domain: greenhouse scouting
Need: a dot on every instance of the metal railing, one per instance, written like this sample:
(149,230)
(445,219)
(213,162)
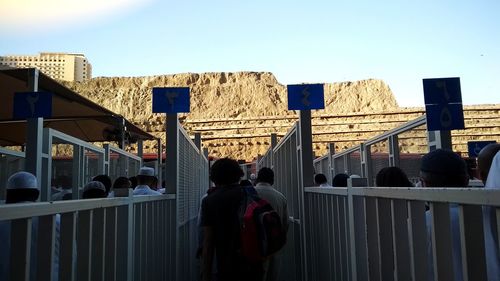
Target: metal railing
(128,238)
(385,150)
(120,163)
(366,233)
(132,238)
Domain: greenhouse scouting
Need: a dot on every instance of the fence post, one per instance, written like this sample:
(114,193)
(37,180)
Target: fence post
(307,174)
(140,151)
(34,135)
(171,160)
(331,163)
(160,160)
(357,231)
(393,150)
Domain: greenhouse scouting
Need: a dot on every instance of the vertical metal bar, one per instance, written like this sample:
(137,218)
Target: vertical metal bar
(144,241)
(337,218)
(359,261)
(372,236)
(384,220)
(472,242)
(97,258)
(76,180)
(45,185)
(172,160)
(400,240)
(20,245)
(68,238)
(84,245)
(441,242)
(130,238)
(140,151)
(137,240)
(330,235)
(394,151)
(45,247)
(418,240)
(110,242)
(160,174)
(122,245)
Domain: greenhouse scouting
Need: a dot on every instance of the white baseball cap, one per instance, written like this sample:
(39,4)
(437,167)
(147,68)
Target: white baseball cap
(146,171)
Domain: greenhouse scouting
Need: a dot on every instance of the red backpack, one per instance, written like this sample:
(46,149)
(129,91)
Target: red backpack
(262,233)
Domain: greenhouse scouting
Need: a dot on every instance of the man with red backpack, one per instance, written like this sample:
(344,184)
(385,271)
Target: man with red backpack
(220,220)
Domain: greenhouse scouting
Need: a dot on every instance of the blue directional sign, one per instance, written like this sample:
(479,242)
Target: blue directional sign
(476,146)
(443,104)
(444,117)
(306,97)
(170,100)
(442,90)
(32,105)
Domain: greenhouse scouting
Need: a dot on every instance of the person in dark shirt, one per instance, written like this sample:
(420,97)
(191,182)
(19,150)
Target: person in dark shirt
(221,226)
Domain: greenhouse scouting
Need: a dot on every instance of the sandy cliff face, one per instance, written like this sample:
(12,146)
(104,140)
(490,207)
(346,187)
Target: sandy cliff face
(236,112)
(228,95)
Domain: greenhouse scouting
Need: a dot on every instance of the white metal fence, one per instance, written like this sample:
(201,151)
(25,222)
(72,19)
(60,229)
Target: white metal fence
(366,233)
(131,238)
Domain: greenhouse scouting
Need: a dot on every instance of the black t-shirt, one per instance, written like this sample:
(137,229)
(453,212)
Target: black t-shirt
(220,210)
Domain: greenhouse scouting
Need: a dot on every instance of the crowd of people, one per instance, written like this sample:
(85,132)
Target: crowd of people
(220,221)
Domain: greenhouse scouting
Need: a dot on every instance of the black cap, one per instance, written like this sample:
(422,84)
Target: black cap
(443,162)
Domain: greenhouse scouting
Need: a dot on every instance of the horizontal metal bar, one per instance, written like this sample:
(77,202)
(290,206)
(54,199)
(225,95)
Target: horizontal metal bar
(472,196)
(345,152)
(124,153)
(10,152)
(25,210)
(335,191)
(319,159)
(67,138)
(288,134)
(401,129)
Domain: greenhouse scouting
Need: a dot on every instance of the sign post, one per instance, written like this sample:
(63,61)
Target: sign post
(171,100)
(443,106)
(304,98)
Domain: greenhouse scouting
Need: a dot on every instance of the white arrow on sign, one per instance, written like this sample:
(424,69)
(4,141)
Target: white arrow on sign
(171,96)
(305,96)
(32,99)
(442,85)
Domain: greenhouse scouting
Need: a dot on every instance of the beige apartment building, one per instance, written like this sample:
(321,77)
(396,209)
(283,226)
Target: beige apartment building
(64,66)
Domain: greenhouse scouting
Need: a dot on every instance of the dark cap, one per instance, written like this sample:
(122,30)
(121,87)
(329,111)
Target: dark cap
(443,162)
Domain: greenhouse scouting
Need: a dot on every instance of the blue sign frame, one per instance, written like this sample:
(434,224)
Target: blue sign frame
(306,97)
(171,100)
(32,105)
(443,104)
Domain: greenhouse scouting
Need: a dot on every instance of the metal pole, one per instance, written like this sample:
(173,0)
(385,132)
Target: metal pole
(34,135)
(171,161)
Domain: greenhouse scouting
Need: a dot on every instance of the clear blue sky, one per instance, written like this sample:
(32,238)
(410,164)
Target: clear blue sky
(400,42)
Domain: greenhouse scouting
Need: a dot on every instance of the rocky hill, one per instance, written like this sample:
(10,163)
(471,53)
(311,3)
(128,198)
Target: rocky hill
(237,112)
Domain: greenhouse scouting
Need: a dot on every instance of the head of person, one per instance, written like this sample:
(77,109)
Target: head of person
(22,187)
(340,180)
(485,158)
(443,168)
(225,171)
(320,179)
(105,180)
(392,177)
(133,181)
(122,183)
(146,176)
(94,189)
(265,175)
